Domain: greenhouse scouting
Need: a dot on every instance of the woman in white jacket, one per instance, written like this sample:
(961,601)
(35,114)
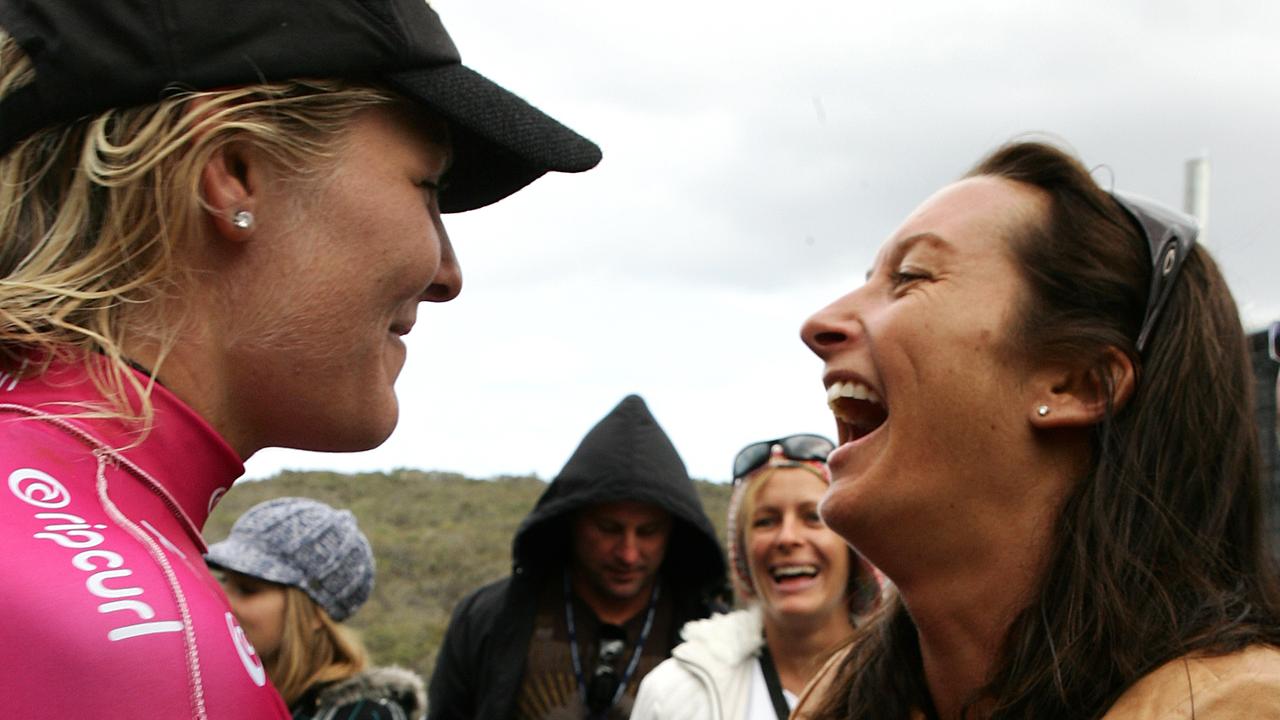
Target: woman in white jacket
(804,590)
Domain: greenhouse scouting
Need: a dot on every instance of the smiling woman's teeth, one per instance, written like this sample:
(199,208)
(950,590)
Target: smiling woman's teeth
(780,573)
(850,389)
(857,407)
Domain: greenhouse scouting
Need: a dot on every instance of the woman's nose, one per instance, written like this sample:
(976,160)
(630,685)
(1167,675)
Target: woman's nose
(447,283)
(788,532)
(827,329)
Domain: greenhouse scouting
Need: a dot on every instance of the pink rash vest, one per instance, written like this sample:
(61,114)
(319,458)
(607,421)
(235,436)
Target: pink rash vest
(106,607)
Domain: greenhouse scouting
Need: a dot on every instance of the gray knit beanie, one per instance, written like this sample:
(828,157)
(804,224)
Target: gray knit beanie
(303,543)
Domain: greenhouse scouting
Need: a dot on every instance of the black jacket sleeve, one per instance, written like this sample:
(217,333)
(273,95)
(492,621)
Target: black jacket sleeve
(452,693)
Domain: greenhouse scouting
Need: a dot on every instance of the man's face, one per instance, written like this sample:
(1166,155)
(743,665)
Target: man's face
(618,548)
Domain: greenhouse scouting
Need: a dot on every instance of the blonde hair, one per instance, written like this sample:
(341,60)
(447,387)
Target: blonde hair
(753,486)
(314,648)
(92,211)
(862,590)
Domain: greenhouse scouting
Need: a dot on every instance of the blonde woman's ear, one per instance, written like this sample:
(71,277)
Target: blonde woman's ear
(227,187)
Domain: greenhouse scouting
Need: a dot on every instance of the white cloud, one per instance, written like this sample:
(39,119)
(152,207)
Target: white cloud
(756,154)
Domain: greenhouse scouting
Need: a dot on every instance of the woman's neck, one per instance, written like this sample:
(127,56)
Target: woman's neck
(959,651)
(962,611)
(966,570)
(800,646)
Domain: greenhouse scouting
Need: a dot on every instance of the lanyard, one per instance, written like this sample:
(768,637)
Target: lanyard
(774,683)
(635,656)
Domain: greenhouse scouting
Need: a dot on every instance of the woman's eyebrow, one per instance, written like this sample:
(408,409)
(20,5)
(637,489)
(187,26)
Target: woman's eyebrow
(904,246)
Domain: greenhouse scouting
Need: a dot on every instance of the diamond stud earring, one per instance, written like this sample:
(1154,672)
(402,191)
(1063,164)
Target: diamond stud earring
(243,220)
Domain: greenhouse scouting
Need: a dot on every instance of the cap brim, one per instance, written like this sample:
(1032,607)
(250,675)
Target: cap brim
(500,142)
(248,559)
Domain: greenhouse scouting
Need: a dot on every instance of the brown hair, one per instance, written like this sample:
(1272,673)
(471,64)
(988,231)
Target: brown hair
(314,648)
(1159,551)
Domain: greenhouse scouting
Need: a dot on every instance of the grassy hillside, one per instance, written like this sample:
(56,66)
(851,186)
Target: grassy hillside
(436,537)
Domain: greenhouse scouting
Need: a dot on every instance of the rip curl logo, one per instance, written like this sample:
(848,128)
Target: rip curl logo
(38,488)
(248,656)
(41,490)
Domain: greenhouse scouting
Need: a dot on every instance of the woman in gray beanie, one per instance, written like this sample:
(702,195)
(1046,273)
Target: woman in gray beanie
(293,570)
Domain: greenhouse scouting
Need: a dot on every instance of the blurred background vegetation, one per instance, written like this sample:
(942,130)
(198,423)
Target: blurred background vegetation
(435,536)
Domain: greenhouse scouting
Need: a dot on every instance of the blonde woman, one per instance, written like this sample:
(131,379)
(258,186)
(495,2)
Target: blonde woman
(218,219)
(804,590)
(294,569)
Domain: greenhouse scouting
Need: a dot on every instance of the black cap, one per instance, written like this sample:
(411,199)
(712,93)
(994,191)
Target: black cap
(94,55)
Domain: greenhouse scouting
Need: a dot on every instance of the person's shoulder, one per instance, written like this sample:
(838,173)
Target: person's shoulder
(381,693)
(1243,684)
(743,621)
(487,598)
(715,658)
(23,433)
(492,604)
(669,691)
(728,637)
(494,588)
(670,678)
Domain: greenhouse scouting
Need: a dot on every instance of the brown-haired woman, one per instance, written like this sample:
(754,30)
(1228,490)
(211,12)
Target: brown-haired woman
(1055,462)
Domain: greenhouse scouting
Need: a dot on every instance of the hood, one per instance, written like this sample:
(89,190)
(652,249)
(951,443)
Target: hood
(723,640)
(626,456)
(396,684)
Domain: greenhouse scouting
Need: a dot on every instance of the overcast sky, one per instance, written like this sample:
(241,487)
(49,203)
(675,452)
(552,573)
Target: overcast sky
(755,157)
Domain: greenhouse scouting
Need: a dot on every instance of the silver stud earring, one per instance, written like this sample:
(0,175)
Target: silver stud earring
(1042,410)
(243,220)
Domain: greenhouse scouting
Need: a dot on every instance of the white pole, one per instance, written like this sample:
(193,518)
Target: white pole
(1195,198)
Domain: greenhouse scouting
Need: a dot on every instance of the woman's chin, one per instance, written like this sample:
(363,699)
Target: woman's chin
(372,435)
(807,619)
(348,431)
(844,507)
(803,607)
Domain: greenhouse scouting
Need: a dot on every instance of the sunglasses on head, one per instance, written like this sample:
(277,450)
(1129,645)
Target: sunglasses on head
(1170,236)
(802,447)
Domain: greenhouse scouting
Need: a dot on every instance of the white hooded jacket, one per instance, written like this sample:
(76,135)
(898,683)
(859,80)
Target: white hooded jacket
(708,676)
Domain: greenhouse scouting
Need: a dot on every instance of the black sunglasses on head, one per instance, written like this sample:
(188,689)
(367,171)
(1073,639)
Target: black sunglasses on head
(801,447)
(1170,236)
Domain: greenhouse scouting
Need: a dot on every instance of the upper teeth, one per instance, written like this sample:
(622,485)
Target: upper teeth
(792,570)
(851,389)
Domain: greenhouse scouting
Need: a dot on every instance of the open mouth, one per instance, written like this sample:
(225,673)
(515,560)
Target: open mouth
(792,574)
(857,407)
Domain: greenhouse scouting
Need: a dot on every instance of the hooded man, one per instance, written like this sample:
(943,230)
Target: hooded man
(615,557)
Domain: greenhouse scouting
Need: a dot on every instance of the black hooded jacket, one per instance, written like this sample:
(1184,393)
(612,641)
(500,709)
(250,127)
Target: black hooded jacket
(626,456)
